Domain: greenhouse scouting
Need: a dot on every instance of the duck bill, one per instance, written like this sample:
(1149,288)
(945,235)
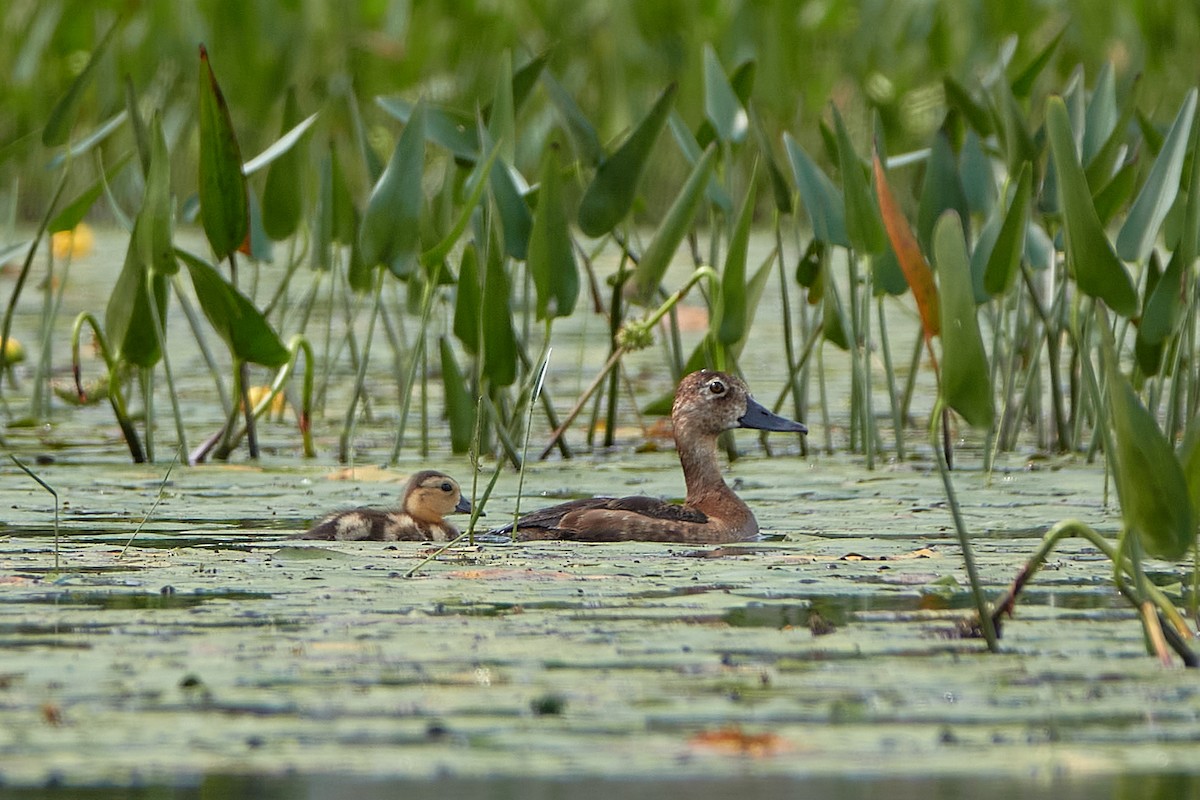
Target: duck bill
(464,506)
(758,417)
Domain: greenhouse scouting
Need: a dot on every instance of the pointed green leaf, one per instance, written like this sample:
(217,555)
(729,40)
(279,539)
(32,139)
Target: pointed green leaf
(780,190)
(515,218)
(821,199)
(390,228)
(966,380)
(450,129)
(609,196)
(675,225)
(467,300)
(941,190)
(154,231)
(976,115)
(1155,500)
(1005,259)
(442,249)
(283,192)
(74,212)
(551,253)
(887,277)
(863,225)
(525,78)
(692,151)
(1158,193)
(583,134)
(721,106)
(141,134)
(128,318)
(460,407)
(224,208)
(235,319)
(1165,303)
(501,122)
(732,311)
(1022,85)
(499,339)
(1097,269)
(979,186)
(1189,459)
(62,116)
(1102,114)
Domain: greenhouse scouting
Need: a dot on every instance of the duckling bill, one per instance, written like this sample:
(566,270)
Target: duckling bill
(706,404)
(428,497)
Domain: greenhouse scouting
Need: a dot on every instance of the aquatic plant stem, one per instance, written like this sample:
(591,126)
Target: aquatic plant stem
(535,390)
(115,398)
(49,489)
(160,331)
(964,541)
(1175,634)
(162,487)
(416,355)
(361,377)
(23,275)
(635,334)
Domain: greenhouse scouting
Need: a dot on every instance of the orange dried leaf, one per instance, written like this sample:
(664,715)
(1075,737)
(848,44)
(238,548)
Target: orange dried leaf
(735,741)
(908,253)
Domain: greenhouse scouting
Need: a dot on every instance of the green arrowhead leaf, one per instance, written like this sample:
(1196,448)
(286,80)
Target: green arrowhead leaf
(224,207)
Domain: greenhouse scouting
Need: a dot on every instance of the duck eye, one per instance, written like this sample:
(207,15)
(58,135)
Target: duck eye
(446,487)
(716,387)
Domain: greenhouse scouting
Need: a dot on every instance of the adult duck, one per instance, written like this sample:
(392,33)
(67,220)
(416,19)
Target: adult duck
(428,497)
(706,404)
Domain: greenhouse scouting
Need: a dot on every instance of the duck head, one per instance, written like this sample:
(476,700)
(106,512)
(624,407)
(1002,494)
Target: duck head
(431,495)
(709,402)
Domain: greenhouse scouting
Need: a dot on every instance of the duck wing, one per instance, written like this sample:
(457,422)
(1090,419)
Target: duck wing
(603,519)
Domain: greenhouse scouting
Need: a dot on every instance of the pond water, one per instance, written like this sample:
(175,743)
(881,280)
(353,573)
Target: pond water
(215,657)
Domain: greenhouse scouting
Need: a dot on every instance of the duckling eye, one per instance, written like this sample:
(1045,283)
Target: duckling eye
(716,387)
(446,487)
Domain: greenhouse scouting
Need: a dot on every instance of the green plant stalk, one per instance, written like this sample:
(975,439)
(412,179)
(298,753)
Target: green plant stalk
(788,345)
(361,376)
(296,345)
(242,369)
(910,382)
(885,347)
(638,331)
(539,378)
(115,398)
(964,541)
(1070,528)
(870,430)
(49,489)
(193,319)
(161,333)
(417,352)
(39,406)
(146,381)
(616,309)
(162,488)
(23,275)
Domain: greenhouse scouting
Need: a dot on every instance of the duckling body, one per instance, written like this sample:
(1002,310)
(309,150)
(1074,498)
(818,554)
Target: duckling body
(706,404)
(428,497)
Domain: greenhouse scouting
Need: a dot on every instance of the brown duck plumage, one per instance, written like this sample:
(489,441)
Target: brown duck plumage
(428,497)
(706,403)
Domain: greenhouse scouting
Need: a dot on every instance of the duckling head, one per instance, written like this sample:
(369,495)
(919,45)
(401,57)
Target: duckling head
(431,495)
(709,402)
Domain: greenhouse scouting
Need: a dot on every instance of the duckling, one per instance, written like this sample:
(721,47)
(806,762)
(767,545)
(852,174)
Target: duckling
(706,403)
(428,497)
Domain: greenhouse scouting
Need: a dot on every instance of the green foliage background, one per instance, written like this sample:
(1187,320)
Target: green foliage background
(612,57)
